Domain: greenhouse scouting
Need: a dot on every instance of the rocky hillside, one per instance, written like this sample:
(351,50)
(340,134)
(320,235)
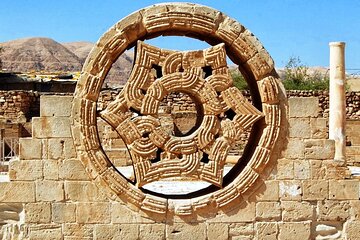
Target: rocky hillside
(45,54)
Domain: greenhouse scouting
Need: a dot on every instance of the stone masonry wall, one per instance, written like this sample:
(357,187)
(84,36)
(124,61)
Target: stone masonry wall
(305,196)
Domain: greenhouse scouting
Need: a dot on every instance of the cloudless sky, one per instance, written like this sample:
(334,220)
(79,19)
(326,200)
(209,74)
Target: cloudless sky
(286,28)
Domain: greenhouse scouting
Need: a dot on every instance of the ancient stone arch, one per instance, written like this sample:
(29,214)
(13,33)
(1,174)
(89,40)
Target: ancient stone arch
(181,71)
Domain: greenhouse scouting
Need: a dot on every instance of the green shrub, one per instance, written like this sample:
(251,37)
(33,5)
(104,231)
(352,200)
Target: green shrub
(297,77)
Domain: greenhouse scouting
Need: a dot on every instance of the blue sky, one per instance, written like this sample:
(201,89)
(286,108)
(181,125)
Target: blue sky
(286,28)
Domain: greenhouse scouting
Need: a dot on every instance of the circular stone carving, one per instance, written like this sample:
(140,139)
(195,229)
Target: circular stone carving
(180,72)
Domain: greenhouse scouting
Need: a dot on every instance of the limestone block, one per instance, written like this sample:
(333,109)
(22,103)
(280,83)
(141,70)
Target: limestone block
(293,211)
(319,129)
(186,231)
(49,191)
(285,169)
(303,107)
(267,230)
(301,169)
(37,213)
(81,231)
(319,149)
(24,170)
(268,211)
(117,231)
(355,210)
(352,230)
(30,149)
(123,214)
(51,169)
(330,210)
(56,148)
(152,231)
(294,230)
(290,190)
(51,127)
(299,128)
(93,213)
(59,106)
(21,192)
(63,212)
(45,231)
(269,191)
(243,213)
(73,169)
(83,192)
(241,230)
(295,149)
(344,189)
(317,169)
(315,190)
(217,231)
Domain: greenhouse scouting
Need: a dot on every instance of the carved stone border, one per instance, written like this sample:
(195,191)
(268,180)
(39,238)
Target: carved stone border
(181,19)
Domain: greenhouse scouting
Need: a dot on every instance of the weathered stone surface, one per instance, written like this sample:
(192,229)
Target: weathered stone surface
(243,213)
(315,190)
(63,212)
(81,231)
(299,128)
(72,169)
(267,230)
(285,169)
(319,149)
(50,106)
(294,230)
(49,191)
(24,170)
(217,231)
(352,230)
(20,192)
(319,128)
(290,190)
(93,213)
(269,191)
(117,231)
(330,210)
(303,107)
(301,169)
(268,211)
(45,231)
(51,169)
(355,210)
(46,127)
(83,191)
(295,149)
(123,214)
(186,231)
(152,231)
(37,213)
(328,230)
(344,189)
(241,230)
(30,149)
(293,211)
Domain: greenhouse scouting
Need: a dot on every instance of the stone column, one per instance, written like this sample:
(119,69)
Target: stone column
(337,114)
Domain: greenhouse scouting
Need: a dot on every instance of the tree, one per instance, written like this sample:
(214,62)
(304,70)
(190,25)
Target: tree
(298,77)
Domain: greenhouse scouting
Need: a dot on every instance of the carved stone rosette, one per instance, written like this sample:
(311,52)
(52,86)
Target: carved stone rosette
(204,76)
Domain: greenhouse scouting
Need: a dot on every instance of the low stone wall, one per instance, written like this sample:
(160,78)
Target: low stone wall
(18,106)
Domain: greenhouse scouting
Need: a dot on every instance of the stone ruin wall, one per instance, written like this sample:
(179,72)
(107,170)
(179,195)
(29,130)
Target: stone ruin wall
(20,105)
(305,196)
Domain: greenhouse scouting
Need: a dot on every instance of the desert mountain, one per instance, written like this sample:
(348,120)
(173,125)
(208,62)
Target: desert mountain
(37,54)
(45,54)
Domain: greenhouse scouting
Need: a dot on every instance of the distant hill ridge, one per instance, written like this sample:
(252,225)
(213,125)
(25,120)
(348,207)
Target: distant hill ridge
(45,54)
